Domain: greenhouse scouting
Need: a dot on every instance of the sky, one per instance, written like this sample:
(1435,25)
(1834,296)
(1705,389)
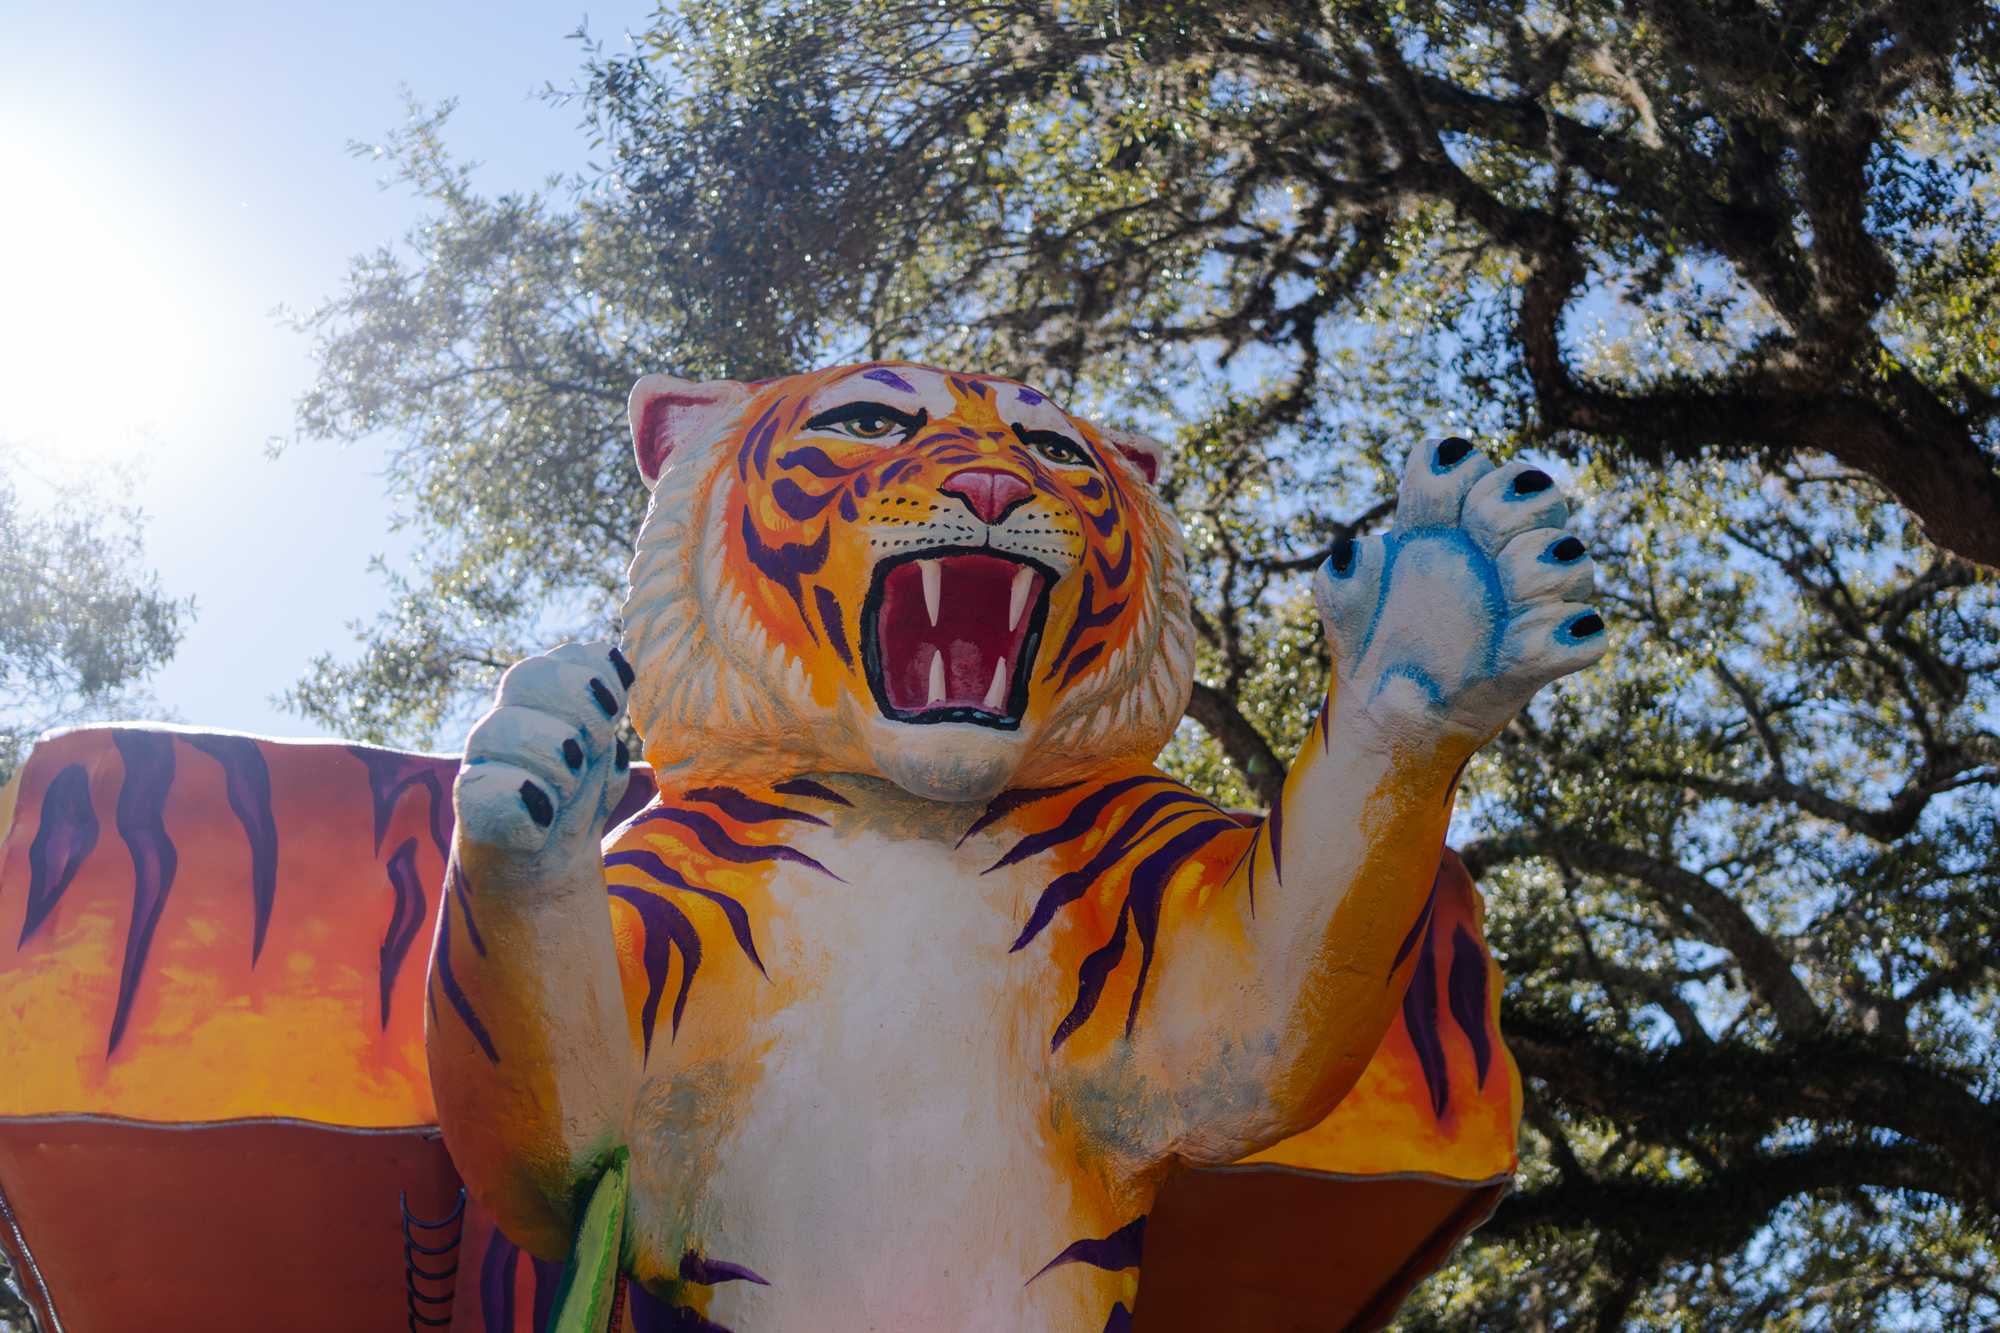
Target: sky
(171,176)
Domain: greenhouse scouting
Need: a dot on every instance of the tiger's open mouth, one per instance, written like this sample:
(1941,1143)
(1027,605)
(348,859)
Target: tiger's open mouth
(950,635)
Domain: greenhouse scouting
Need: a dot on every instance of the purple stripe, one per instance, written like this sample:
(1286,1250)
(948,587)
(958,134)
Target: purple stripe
(739,920)
(142,803)
(807,787)
(848,510)
(1079,662)
(247,781)
(716,842)
(1465,988)
(1028,396)
(1417,928)
(1081,819)
(667,928)
(709,1272)
(405,919)
(799,503)
(1090,980)
(1119,1320)
(764,428)
(897,469)
(1115,574)
(446,982)
(816,462)
(1120,1250)
(1087,618)
(64,836)
(1420,1016)
(789,562)
(883,375)
(1007,802)
(461,889)
(748,809)
(496,1285)
(1149,886)
(1066,889)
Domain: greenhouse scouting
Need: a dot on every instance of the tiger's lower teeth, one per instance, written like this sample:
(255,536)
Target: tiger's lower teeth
(937,678)
(996,693)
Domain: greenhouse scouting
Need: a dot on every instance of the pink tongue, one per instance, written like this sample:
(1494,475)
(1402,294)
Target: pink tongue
(969,641)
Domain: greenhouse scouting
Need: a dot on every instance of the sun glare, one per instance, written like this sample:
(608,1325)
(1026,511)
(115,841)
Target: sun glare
(98,341)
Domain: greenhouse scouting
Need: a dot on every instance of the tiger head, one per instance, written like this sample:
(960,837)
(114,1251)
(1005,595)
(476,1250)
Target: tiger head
(945,580)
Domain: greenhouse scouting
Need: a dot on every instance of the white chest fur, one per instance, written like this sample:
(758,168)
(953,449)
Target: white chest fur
(896,1166)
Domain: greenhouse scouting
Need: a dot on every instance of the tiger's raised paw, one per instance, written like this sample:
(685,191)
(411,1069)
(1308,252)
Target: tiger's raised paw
(543,768)
(1474,599)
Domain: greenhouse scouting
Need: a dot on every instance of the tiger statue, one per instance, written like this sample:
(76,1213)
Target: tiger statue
(918,979)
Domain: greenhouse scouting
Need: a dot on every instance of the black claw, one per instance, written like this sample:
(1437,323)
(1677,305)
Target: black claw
(605,700)
(624,759)
(1452,452)
(1342,558)
(623,668)
(1533,481)
(1566,550)
(539,807)
(1585,625)
(572,754)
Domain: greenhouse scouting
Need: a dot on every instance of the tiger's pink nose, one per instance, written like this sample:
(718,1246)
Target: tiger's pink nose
(987,491)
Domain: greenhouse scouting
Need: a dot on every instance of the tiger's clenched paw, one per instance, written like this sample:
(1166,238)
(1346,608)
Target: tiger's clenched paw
(543,767)
(1474,599)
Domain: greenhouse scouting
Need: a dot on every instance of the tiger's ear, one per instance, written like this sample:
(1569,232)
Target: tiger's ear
(668,413)
(1147,456)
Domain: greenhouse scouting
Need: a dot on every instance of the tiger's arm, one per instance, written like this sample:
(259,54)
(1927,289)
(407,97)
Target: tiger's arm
(1440,631)
(531,1053)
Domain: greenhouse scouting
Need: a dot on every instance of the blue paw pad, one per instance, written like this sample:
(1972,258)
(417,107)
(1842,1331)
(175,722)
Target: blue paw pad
(1532,482)
(1450,453)
(1578,628)
(1341,562)
(1565,552)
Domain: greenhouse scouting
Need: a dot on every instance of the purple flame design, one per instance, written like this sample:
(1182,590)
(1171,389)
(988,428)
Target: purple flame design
(405,919)
(391,774)
(142,803)
(1420,1016)
(247,781)
(65,836)
(1465,988)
